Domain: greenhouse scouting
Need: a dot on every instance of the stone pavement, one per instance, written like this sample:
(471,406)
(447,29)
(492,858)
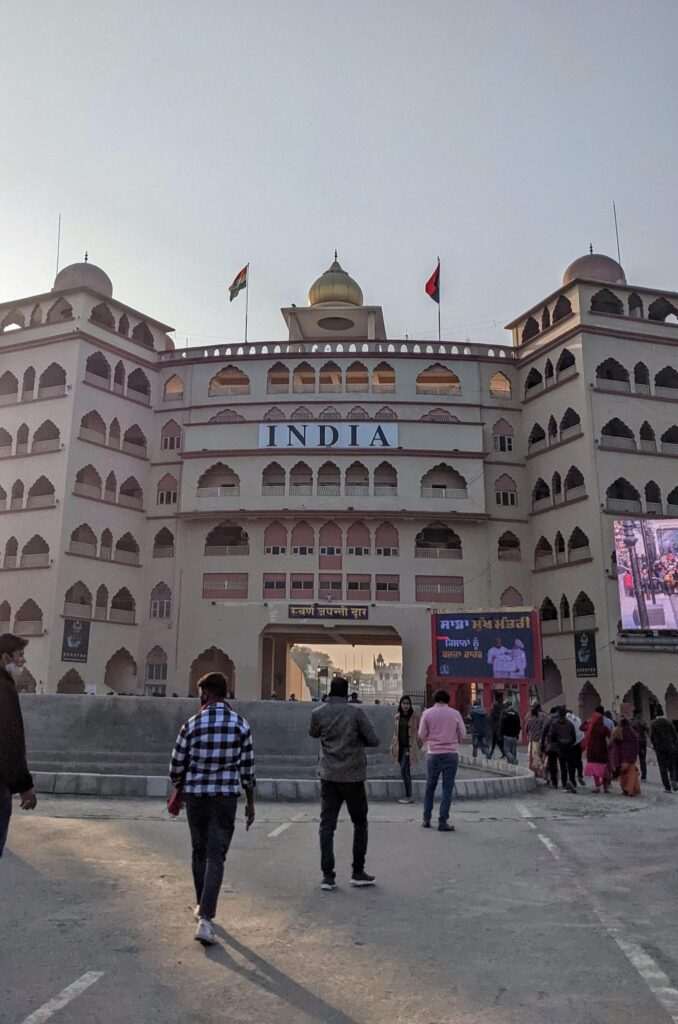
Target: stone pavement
(518,917)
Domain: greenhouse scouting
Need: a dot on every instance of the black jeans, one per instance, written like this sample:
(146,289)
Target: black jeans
(497,741)
(211,820)
(405,771)
(666,762)
(5,815)
(577,762)
(332,796)
(478,740)
(566,761)
(642,757)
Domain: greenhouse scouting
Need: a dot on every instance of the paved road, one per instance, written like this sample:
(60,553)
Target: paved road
(556,908)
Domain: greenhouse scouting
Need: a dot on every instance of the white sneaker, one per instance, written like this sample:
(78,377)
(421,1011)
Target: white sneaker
(205,932)
(406,800)
(196,912)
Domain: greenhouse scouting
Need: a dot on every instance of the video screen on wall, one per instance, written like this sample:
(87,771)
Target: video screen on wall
(647,572)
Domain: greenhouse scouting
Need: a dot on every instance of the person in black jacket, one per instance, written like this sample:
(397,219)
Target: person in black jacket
(665,742)
(560,737)
(14,774)
(509,730)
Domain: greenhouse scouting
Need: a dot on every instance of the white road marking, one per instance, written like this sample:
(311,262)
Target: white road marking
(65,997)
(524,811)
(531,824)
(279,830)
(647,967)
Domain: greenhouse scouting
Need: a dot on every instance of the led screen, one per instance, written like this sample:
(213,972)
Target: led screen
(647,569)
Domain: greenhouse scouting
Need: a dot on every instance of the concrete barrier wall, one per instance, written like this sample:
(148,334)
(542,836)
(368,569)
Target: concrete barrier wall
(60,723)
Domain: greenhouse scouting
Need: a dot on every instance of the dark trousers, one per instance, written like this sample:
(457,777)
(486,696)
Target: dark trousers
(497,741)
(577,762)
(405,772)
(666,761)
(563,759)
(478,740)
(332,796)
(211,820)
(5,815)
(437,765)
(642,757)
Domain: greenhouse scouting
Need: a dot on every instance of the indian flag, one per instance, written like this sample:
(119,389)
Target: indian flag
(239,283)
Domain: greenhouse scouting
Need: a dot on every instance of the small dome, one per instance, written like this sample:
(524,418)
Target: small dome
(84,275)
(335,288)
(595,267)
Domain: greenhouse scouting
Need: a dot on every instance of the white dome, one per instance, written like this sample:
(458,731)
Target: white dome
(84,275)
(595,267)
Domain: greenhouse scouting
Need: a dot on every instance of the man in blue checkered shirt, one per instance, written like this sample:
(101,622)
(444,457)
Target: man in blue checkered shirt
(211,760)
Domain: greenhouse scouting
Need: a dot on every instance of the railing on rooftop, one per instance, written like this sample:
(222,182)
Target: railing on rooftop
(341,348)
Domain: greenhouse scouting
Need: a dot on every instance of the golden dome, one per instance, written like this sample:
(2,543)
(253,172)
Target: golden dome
(335,288)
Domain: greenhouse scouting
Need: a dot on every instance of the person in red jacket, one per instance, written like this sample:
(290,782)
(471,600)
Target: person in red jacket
(14,774)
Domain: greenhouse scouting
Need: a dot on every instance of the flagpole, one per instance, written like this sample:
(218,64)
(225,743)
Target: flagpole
(247,300)
(439,299)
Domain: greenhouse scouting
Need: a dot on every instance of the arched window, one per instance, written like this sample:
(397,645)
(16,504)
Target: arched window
(126,550)
(120,674)
(552,429)
(119,378)
(156,668)
(570,424)
(329,413)
(302,414)
(5,616)
(330,542)
(9,388)
(93,428)
(574,485)
(138,386)
(357,480)
(385,480)
(106,547)
(548,373)
(59,311)
(648,441)
(669,441)
(101,603)
(357,379)
(301,479)
(11,552)
(98,370)
(443,481)
(385,413)
(511,598)
(623,497)
(437,541)
(275,539)
(358,541)
(530,329)
(500,385)
(142,334)
(533,380)
(114,434)
(28,619)
(672,502)
(227,416)
(229,381)
(274,414)
(123,325)
(564,612)
(278,379)
(111,487)
(537,437)
(52,381)
(541,494)
(227,539)
(173,391)
(666,382)
(556,485)
(273,479)
(660,309)
(303,379)
(163,544)
(303,539)
(635,305)
(508,547)
(5,443)
(559,546)
(329,479)
(653,497)
(14,320)
(28,385)
(505,491)
(22,439)
(161,602)
(218,481)
(101,314)
(131,494)
(612,376)
(35,553)
(386,540)
(88,482)
(641,379)
(547,611)
(606,301)
(78,601)
(357,413)
(562,308)
(383,379)
(83,541)
(170,436)
(330,378)
(502,436)
(134,441)
(583,609)
(438,380)
(578,545)
(545,318)
(17,496)
(615,434)
(439,416)
(123,607)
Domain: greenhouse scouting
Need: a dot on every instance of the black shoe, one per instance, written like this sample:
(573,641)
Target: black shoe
(361,878)
(581,782)
(328,883)
(667,789)
(426,824)
(446,828)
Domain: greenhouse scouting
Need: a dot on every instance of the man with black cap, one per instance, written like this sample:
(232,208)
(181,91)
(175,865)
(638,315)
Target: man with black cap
(344,730)
(14,774)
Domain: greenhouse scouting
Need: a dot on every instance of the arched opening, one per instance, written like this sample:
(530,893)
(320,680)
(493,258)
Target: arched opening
(653,497)
(228,538)
(78,601)
(52,381)
(502,436)
(644,701)
(386,540)
(156,672)
(570,424)
(17,496)
(329,480)
(161,602)
(666,383)
(615,434)
(530,329)
(641,379)
(123,325)
(545,318)
(131,494)
(562,308)
(120,674)
(548,373)
(648,441)
(218,481)
(505,491)
(9,388)
(559,547)
(660,309)
(275,414)
(556,486)
(163,544)
(126,550)
(230,416)
(329,413)
(303,539)
(134,441)
(385,480)
(671,703)
(533,380)
(564,613)
(106,548)
(102,315)
(41,494)
(357,413)
(28,385)
(358,540)
(302,414)
(211,660)
(301,479)
(119,378)
(385,413)
(583,612)
(167,492)
(589,700)
(111,487)
(330,378)
(543,553)
(578,546)
(357,480)
(5,443)
(541,494)
(173,391)
(5,616)
(622,497)
(537,437)
(443,481)
(437,541)
(500,385)
(330,541)
(93,428)
(273,479)
(553,682)
(548,615)
(22,439)
(114,434)
(606,301)
(36,315)
(59,311)
(123,607)
(101,603)
(275,539)
(83,541)
(438,380)
(71,682)
(13,321)
(357,379)
(170,436)
(35,553)
(635,305)
(143,334)
(303,379)
(383,379)
(511,598)
(612,376)
(278,379)
(508,547)
(138,387)
(574,485)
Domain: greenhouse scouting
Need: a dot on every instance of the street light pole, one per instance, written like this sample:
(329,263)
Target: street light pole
(630,541)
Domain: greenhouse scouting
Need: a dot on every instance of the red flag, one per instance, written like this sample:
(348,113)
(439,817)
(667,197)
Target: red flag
(433,285)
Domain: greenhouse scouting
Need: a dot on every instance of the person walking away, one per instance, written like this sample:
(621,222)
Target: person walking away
(642,732)
(577,752)
(534,726)
(405,743)
(509,731)
(344,731)
(624,747)
(442,729)
(212,759)
(495,718)
(562,738)
(479,725)
(595,743)
(14,774)
(664,741)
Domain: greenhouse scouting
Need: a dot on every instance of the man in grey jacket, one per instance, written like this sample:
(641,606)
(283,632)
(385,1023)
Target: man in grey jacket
(344,730)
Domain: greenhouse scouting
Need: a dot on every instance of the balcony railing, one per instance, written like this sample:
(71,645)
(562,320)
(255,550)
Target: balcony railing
(134,449)
(568,432)
(626,444)
(222,491)
(163,551)
(671,510)
(662,392)
(270,490)
(584,622)
(10,562)
(437,553)
(22,448)
(654,506)
(52,392)
(438,588)
(439,389)
(28,627)
(138,396)
(572,493)
(357,387)
(535,446)
(99,382)
(619,386)
(87,434)
(543,561)
(357,490)
(540,503)
(130,500)
(668,448)
(385,388)
(579,554)
(172,397)
(9,399)
(36,561)
(79,547)
(5,451)
(74,610)
(277,389)
(87,490)
(299,388)
(40,501)
(16,504)
(330,388)
(301,489)
(126,557)
(227,549)
(550,626)
(328,490)
(100,613)
(50,444)
(623,505)
(385,490)
(442,492)
(648,446)
(509,555)
(641,389)
(121,615)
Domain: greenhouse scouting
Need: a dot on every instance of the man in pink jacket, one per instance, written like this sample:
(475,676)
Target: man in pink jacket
(441,728)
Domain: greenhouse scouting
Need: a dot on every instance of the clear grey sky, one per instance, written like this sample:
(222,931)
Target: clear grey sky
(181,139)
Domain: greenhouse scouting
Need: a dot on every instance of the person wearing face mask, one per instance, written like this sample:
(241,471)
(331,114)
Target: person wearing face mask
(14,774)
(212,759)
